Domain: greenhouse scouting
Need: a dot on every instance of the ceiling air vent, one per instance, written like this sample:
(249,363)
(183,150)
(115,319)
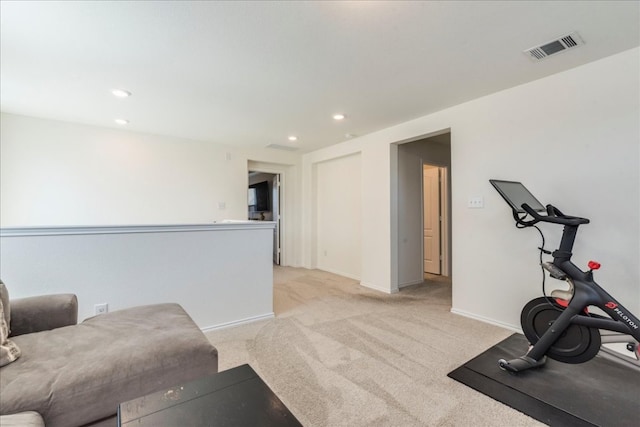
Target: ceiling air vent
(282,147)
(553,47)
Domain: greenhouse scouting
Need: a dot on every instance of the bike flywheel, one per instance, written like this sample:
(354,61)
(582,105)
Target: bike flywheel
(577,344)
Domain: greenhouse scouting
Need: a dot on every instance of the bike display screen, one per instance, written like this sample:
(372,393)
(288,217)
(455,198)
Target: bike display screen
(516,194)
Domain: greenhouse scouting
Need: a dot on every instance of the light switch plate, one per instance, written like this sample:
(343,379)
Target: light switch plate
(476,202)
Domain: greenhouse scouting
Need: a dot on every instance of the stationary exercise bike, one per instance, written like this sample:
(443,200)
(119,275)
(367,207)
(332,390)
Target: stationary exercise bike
(560,326)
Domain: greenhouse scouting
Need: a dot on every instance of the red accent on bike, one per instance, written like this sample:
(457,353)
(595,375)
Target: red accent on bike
(593,265)
(564,303)
(611,305)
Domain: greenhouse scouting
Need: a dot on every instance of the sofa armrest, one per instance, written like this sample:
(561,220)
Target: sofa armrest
(41,313)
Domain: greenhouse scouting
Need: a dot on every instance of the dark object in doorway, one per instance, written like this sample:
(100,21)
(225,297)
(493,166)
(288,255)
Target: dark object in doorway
(262,199)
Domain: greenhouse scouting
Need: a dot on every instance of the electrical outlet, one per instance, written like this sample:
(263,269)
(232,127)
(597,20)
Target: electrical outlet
(475,202)
(101,308)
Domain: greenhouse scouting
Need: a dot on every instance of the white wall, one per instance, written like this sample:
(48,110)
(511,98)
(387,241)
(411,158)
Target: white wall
(57,173)
(63,174)
(375,189)
(221,273)
(572,138)
(339,213)
(410,218)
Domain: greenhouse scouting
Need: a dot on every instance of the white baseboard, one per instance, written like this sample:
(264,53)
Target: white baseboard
(411,283)
(238,322)
(378,288)
(366,285)
(487,320)
(339,273)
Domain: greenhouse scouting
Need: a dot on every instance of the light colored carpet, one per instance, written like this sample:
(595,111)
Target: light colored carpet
(338,354)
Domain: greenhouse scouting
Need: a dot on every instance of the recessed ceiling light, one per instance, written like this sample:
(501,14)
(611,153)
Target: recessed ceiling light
(121,121)
(121,93)
(339,117)
(293,138)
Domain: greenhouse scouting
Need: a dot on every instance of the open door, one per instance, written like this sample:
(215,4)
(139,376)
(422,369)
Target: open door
(432,229)
(276,218)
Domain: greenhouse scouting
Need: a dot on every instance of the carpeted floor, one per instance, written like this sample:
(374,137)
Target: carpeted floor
(338,354)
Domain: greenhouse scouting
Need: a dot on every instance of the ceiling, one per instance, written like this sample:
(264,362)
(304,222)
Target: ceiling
(251,74)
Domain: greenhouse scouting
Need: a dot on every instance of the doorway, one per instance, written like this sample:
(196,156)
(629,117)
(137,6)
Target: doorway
(423,210)
(263,204)
(434,220)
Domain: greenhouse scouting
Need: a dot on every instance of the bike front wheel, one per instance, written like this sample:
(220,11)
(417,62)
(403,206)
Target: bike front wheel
(577,344)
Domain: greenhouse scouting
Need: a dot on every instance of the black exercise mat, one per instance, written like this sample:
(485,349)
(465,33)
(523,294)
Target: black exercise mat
(599,392)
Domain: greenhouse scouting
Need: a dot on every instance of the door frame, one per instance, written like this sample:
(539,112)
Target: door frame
(441,219)
(276,217)
(445,266)
(275,169)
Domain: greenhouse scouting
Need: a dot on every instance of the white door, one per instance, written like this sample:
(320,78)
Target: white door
(275,209)
(431,175)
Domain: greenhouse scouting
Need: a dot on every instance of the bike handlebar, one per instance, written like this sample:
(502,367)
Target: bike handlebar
(553,216)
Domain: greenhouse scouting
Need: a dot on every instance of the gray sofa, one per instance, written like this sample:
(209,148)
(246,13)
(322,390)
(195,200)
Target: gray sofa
(77,374)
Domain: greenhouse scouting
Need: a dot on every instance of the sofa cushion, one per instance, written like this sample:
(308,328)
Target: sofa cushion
(4,298)
(9,351)
(78,374)
(22,419)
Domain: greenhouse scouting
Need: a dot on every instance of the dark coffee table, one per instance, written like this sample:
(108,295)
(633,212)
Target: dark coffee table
(236,397)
